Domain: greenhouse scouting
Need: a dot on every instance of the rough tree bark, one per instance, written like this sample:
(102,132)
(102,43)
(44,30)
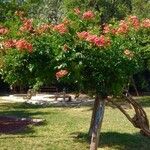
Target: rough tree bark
(96,122)
(96,103)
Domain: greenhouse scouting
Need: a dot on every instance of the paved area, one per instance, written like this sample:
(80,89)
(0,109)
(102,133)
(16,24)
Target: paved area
(47,100)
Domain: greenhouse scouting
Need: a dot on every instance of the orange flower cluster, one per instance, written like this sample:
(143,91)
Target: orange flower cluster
(61,28)
(19,44)
(146,23)
(107,28)
(77,11)
(27,25)
(88,15)
(128,53)
(10,44)
(24,45)
(125,25)
(61,73)
(122,29)
(83,35)
(43,28)
(134,21)
(100,41)
(3,30)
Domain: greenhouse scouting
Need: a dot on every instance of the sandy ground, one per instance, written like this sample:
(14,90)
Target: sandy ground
(47,99)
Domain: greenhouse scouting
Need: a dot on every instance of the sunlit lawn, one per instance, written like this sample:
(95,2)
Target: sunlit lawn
(66,129)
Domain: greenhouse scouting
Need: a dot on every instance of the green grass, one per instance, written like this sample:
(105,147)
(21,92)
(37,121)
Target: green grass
(66,129)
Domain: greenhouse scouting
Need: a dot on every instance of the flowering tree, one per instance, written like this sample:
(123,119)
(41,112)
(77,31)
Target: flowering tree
(77,51)
(102,61)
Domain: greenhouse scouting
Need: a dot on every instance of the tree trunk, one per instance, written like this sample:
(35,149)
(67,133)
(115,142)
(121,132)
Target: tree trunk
(96,103)
(96,122)
(140,119)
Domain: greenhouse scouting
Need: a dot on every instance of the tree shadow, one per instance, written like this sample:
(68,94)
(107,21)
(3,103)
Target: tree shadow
(25,108)
(125,141)
(22,113)
(116,140)
(17,119)
(20,105)
(20,136)
(16,129)
(144,101)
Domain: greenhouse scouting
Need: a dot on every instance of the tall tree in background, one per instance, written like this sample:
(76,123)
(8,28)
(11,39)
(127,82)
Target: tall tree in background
(49,10)
(110,9)
(52,10)
(141,8)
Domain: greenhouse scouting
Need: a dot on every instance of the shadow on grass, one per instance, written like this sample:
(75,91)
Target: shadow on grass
(23,109)
(22,113)
(20,105)
(144,101)
(17,119)
(118,141)
(21,136)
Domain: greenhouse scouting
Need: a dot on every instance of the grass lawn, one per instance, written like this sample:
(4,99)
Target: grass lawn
(66,129)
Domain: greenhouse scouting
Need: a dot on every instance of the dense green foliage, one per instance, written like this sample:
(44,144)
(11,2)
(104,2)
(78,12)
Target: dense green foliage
(50,47)
(91,58)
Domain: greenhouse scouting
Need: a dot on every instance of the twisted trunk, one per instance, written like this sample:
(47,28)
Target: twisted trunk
(140,119)
(96,122)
